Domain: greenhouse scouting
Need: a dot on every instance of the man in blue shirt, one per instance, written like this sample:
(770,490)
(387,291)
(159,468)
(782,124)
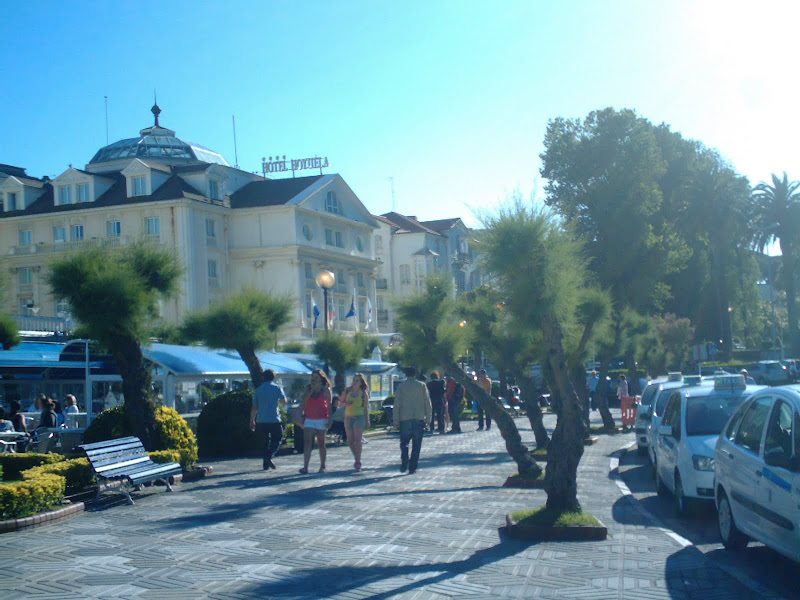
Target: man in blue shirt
(265,415)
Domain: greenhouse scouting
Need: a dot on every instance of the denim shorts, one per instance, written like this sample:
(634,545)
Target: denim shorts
(321,424)
(357,422)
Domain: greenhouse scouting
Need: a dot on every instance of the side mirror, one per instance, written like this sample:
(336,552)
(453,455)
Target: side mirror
(665,430)
(778,458)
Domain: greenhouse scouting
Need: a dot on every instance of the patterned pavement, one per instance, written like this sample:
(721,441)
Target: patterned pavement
(246,533)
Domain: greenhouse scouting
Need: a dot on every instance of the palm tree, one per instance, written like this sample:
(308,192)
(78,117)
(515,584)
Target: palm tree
(777,217)
(9,335)
(114,297)
(339,353)
(246,321)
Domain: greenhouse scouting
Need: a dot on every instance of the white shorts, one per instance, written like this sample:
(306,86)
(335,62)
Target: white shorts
(316,424)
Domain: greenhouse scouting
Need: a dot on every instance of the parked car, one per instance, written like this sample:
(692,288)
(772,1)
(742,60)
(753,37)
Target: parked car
(757,473)
(768,372)
(657,407)
(643,414)
(684,450)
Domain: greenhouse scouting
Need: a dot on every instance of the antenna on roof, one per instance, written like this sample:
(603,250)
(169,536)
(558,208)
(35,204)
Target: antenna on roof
(106,98)
(392,181)
(156,110)
(235,151)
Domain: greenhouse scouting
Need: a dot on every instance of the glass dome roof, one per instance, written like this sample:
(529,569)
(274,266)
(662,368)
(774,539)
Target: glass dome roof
(159,143)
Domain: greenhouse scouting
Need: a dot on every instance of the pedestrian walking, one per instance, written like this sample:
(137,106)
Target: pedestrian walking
(436,392)
(356,416)
(622,387)
(591,383)
(454,408)
(317,411)
(412,412)
(265,416)
(486,385)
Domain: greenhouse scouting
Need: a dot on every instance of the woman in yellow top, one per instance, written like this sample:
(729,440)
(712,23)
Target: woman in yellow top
(356,415)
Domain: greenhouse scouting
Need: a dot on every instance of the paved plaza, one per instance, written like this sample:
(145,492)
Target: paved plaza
(246,533)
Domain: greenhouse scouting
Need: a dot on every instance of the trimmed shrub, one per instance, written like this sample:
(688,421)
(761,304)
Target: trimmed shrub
(377,417)
(26,498)
(14,464)
(77,473)
(171,427)
(165,456)
(223,427)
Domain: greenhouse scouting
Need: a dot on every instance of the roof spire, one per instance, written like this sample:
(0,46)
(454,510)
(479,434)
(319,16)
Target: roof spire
(155,110)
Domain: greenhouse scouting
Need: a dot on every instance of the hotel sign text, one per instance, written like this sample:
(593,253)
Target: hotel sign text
(281,165)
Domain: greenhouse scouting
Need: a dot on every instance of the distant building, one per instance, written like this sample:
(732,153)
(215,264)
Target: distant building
(229,228)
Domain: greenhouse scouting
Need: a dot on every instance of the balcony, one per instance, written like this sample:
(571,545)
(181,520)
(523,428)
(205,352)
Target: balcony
(108,242)
(211,241)
(49,324)
(381,284)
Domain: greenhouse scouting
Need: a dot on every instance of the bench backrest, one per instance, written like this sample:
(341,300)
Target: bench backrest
(114,454)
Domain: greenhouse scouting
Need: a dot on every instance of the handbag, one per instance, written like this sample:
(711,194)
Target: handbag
(338,414)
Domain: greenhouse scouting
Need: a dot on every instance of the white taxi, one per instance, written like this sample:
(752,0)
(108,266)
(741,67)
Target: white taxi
(757,468)
(687,435)
(657,406)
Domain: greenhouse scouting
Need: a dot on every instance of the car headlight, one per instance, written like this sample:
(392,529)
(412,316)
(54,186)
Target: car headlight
(703,463)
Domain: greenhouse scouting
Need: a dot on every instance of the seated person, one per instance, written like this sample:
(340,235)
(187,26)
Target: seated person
(48,417)
(5,425)
(16,418)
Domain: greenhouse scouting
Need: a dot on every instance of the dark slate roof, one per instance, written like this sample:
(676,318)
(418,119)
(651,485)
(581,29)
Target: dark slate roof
(12,170)
(407,224)
(116,195)
(441,224)
(271,192)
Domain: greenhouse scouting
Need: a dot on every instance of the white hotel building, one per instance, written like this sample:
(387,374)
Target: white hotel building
(228,227)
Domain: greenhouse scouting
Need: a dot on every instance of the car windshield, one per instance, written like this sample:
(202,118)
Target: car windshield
(661,401)
(647,395)
(707,415)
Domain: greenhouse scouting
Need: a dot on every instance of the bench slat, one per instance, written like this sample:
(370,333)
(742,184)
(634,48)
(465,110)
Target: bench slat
(116,449)
(101,467)
(110,443)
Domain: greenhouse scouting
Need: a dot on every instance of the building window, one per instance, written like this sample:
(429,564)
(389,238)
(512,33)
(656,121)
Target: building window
(362,312)
(213,189)
(113,229)
(405,274)
(211,230)
(309,272)
(83,192)
(419,273)
(378,245)
(62,307)
(25,237)
(139,186)
(12,201)
(307,233)
(213,281)
(334,238)
(342,309)
(76,233)
(25,276)
(59,234)
(332,204)
(360,278)
(26,306)
(359,243)
(308,308)
(339,240)
(65,195)
(152,226)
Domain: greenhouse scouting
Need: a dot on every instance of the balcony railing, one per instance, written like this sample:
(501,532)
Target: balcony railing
(383,314)
(53,324)
(211,241)
(107,242)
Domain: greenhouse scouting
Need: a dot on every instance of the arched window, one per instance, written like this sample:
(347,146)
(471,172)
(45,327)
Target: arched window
(332,204)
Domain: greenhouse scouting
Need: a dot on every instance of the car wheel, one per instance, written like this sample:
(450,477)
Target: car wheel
(732,538)
(682,503)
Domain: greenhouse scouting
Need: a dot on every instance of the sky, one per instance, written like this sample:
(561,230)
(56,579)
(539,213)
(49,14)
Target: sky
(430,108)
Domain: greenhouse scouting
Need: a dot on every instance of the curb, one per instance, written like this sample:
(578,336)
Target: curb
(555,532)
(41,518)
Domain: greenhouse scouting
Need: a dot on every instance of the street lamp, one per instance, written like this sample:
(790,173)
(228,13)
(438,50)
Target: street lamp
(325,280)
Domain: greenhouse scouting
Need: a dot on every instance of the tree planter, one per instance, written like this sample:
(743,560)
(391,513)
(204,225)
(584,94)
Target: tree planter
(51,516)
(516,481)
(194,475)
(554,532)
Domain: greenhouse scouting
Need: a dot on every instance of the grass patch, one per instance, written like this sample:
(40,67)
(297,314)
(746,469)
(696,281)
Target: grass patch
(528,477)
(602,429)
(539,453)
(542,516)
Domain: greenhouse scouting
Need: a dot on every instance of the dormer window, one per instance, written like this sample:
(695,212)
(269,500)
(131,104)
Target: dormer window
(139,185)
(12,201)
(82,190)
(332,204)
(213,189)
(65,195)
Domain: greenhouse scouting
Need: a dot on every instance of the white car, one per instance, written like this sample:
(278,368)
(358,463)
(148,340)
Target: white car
(692,422)
(643,414)
(657,407)
(757,469)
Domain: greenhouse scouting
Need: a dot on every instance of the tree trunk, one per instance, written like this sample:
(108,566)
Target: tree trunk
(787,249)
(253,365)
(566,446)
(136,379)
(526,464)
(530,400)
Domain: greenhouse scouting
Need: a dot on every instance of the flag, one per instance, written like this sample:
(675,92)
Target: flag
(332,318)
(369,311)
(352,311)
(315,311)
(302,317)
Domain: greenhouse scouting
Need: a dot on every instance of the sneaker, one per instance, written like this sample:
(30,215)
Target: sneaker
(412,471)
(271,465)
(321,469)
(357,466)
(304,470)
(403,468)
(480,428)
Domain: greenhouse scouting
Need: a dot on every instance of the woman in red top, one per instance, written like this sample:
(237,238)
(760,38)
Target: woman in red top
(317,410)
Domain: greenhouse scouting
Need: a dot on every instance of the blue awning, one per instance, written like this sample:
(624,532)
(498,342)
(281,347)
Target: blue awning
(200,360)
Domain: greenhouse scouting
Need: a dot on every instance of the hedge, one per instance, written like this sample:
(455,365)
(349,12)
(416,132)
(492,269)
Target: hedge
(173,430)
(165,456)
(25,498)
(77,473)
(14,464)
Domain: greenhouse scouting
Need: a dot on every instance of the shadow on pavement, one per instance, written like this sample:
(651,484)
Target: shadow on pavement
(396,580)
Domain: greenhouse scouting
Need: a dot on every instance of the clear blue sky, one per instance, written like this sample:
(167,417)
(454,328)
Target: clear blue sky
(451,99)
